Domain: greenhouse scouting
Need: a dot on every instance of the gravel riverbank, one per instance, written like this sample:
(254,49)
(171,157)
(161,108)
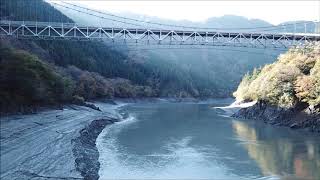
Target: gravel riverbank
(53,144)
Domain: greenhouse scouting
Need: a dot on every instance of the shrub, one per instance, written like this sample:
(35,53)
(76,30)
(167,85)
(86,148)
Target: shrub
(26,80)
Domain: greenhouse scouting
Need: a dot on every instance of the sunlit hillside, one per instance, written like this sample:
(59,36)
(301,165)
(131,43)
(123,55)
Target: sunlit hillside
(293,79)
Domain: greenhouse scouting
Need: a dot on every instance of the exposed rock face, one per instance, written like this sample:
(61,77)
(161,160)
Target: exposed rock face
(85,150)
(299,117)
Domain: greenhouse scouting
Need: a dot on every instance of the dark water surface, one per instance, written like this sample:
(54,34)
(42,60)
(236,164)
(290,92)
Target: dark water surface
(193,140)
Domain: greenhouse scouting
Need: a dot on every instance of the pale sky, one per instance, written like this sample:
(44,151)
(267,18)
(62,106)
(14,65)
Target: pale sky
(274,12)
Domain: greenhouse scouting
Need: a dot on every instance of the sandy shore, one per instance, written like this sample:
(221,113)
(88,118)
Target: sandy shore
(45,145)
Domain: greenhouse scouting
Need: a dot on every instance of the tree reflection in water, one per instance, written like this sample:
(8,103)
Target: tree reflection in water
(280,154)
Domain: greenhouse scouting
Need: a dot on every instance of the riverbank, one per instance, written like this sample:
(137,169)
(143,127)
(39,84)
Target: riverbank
(54,144)
(295,118)
(85,151)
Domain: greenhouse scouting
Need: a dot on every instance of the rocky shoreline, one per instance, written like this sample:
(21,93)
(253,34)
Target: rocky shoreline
(295,118)
(85,151)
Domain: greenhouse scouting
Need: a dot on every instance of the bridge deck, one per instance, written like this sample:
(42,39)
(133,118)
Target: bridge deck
(70,30)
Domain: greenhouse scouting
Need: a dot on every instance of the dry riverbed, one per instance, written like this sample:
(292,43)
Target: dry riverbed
(53,144)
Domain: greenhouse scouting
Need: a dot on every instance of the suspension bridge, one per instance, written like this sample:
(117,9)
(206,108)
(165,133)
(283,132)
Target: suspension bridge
(128,32)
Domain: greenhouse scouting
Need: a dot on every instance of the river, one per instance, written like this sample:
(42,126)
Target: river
(170,140)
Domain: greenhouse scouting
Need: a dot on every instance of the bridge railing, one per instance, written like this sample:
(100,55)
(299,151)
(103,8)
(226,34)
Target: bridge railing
(58,30)
(70,25)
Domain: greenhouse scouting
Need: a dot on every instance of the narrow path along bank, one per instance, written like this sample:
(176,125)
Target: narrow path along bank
(52,144)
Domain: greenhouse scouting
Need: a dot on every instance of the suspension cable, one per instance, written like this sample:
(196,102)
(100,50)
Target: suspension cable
(172,25)
(124,22)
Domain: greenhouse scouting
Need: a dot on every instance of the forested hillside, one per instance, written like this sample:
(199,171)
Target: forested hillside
(293,80)
(91,56)
(208,71)
(287,91)
(94,69)
(165,78)
(38,72)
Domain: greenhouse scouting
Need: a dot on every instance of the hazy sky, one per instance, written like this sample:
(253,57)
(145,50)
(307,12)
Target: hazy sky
(274,12)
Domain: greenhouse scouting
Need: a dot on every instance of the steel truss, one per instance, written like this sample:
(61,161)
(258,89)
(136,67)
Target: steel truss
(46,30)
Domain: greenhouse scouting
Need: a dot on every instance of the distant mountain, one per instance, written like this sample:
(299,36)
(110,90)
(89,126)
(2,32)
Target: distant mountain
(226,21)
(300,26)
(232,21)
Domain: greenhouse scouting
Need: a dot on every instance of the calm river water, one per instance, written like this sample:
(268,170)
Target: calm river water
(193,140)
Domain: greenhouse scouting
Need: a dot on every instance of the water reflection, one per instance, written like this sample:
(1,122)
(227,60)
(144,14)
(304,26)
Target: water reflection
(186,140)
(277,154)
